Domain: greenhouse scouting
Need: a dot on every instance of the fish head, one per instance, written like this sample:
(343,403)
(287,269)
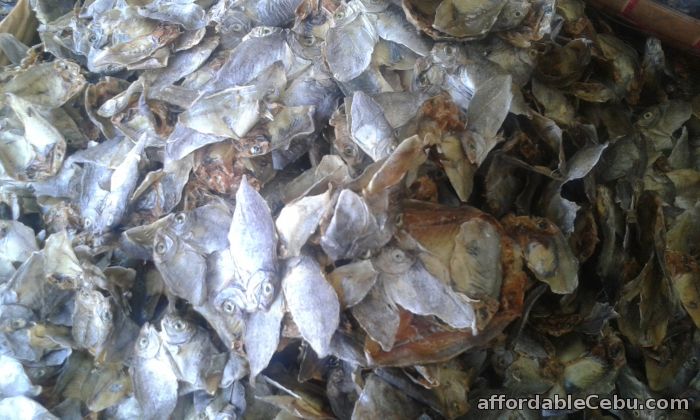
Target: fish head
(230,301)
(262,289)
(176,329)
(393,260)
(448,54)
(165,245)
(148,342)
(345,14)
(98,304)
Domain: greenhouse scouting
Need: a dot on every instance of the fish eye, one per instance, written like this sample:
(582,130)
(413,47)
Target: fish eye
(237,27)
(40,373)
(449,50)
(18,323)
(542,224)
(256,149)
(87,222)
(228,307)
(143,342)
(179,325)
(266,31)
(106,316)
(517,13)
(268,289)
(398,255)
(339,15)
(348,151)
(647,115)
(92,38)
(160,247)
(180,218)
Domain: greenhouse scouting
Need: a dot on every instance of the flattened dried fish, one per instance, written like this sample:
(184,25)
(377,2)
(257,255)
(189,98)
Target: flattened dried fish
(406,280)
(155,383)
(297,221)
(263,336)
(92,320)
(312,301)
(196,360)
(253,242)
(235,119)
(349,43)
(182,267)
(427,171)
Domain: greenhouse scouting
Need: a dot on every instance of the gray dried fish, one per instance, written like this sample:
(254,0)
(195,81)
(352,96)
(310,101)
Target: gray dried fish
(188,14)
(47,143)
(235,119)
(312,301)
(253,241)
(122,183)
(298,220)
(379,317)
(196,359)
(353,229)
(353,281)
(349,43)
(92,320)
(485,115)
(197,227)
(246,61)
(369,129)
(182,266)
(262,336)
(154,381)
(406,280)
(47,85)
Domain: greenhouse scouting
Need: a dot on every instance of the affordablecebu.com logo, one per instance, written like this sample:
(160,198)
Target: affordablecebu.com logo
(593,402)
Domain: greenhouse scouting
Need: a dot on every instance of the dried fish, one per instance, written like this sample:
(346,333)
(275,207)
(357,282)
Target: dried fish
(253,246)
(155,382)
(312,301)
(344,209)
(195,358)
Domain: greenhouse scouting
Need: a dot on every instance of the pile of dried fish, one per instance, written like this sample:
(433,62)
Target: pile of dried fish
(327,209)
